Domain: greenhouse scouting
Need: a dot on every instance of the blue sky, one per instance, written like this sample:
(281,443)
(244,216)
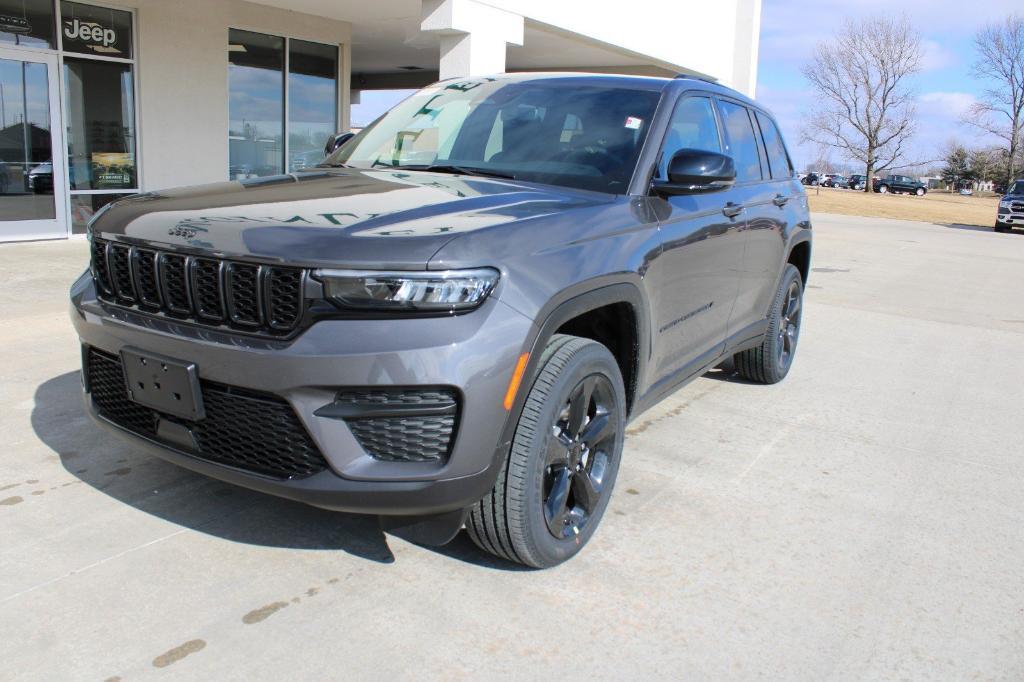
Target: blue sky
(945,89)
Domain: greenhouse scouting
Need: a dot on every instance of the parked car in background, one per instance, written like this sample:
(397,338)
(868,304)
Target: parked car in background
(811,179)
(834,180)
(454,331)
(856,182)
(900,184)
(1011,208)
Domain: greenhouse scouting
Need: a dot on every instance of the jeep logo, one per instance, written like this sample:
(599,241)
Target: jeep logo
(89,32)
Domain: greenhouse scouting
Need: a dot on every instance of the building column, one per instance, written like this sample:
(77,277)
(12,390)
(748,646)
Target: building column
(473,36)
(345,88)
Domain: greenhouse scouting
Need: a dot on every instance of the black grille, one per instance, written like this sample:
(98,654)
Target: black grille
(146,283)
(403,438)
(1017,207)
(119,261)
(256,298)
(245,429)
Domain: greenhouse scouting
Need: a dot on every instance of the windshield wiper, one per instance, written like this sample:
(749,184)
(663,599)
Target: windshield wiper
(458,170)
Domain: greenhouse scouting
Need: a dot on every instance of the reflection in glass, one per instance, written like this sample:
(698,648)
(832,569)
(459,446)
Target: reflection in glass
(96,30)
(312,101)
(28,23)
(256,104)
(101,124)
(84,206)
(26,174)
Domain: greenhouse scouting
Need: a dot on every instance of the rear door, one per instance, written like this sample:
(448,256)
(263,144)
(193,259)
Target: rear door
(760,196)
(694,277)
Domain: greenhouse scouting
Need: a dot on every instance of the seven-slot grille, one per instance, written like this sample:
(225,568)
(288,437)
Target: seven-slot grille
(256,298)
(249,430)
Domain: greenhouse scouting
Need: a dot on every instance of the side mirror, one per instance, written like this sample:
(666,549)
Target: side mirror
(337,141)
(693,171)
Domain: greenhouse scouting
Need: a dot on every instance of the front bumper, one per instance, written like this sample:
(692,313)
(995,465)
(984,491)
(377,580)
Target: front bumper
(474,353)
(1010,218)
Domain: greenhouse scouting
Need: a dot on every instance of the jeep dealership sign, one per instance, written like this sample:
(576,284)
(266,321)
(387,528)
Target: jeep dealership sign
(89,32)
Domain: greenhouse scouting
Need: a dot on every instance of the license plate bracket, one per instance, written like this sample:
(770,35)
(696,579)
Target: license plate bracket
(163,384)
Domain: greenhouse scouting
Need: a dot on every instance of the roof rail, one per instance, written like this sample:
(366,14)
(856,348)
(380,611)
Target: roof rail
(696,77)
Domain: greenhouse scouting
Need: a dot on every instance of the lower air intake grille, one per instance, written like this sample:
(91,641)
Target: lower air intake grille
(393,437)
(254,431)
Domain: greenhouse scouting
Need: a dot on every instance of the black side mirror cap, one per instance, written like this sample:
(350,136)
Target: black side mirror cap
(336,141)
(694,171)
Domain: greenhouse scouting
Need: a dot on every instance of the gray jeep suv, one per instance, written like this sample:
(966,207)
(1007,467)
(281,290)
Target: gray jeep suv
(450,321)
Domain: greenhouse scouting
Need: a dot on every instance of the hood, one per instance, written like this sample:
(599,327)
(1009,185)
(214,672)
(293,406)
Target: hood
(331,217)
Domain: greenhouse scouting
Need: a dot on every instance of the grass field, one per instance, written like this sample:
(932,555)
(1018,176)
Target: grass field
(947,209)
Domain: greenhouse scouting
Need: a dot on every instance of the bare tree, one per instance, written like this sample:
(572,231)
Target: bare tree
(1000,111)
(866,107)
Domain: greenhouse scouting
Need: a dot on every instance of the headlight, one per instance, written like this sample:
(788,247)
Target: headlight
(1005,203)
(441,291)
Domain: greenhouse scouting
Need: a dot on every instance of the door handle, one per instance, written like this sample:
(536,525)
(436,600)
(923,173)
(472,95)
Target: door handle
(780,200)
(732,210)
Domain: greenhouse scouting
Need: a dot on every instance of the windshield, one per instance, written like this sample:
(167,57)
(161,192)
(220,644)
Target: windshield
(544,130)
(1017,188)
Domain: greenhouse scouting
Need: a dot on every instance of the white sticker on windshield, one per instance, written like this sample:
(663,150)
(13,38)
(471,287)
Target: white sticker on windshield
(634,123)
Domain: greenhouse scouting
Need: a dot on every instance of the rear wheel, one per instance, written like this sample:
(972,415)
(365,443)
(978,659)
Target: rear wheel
(560,471)
(919,191)
(883,189)
(769,363)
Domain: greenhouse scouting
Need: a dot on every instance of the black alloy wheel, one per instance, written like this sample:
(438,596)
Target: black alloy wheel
(789,324)
(578,456)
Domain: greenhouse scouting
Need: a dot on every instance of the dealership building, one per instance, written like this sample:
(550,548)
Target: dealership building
(101,100)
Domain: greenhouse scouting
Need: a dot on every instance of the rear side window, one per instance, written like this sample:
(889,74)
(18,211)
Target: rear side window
(693,126)
(742,142)
(778,160)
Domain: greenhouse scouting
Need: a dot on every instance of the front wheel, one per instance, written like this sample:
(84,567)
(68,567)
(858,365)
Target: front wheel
(769,363)
(560,471)
(1002,227)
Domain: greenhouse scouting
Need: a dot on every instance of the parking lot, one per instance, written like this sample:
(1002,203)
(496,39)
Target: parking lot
(861,520)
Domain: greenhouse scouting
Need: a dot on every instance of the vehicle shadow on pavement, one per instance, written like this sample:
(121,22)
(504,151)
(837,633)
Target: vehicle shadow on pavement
(976,228)
(111,466)
(726,371)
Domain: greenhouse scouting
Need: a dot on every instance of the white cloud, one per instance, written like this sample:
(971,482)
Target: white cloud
(945,105)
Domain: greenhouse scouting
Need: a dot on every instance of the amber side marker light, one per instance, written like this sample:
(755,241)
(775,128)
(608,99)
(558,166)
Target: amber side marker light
(517,378)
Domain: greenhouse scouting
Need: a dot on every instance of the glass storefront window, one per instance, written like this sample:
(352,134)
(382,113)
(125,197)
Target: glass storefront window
(101,124)
(312,101)
(255,104)
(26,171)
(96,30)
(28,23)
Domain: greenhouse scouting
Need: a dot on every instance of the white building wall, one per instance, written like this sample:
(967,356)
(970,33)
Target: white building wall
(716,38)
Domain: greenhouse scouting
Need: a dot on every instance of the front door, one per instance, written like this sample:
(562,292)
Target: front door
(33,188)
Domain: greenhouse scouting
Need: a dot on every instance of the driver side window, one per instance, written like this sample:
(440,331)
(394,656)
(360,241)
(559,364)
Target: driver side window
(693,126)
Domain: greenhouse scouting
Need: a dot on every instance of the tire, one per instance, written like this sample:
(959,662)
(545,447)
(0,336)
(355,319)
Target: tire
(883,189)
(1003,227)
(919,191)
(552,489)
(770,362)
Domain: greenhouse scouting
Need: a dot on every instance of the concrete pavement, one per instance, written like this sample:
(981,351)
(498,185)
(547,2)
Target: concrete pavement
(861,520)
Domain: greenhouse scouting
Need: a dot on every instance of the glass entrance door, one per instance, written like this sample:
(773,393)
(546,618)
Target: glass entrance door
(33,185)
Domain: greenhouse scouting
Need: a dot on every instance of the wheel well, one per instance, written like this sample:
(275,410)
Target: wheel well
(800,256)
(614,326)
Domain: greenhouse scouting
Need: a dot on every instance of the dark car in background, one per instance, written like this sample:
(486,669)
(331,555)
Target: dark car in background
(811,179)
(450,326)
(856,182)
(1011,208)
(900,184)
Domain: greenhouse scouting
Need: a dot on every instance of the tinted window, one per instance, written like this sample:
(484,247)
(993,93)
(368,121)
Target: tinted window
(101,124)
(312,101)
(778,160)
(255,104)
(553,131)
(742,142)
(26,22)
(96,30)
(693,126)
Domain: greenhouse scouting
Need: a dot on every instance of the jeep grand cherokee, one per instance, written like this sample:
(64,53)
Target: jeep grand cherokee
(452,319)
